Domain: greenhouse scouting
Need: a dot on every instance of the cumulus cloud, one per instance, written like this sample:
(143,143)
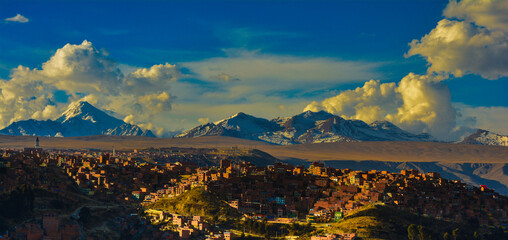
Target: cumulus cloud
(362,102)
(473,41)
(18,18)
(426,106)
(460,48)
(83,72)
(146,79)
(487,13)
(82,68)
(418,103)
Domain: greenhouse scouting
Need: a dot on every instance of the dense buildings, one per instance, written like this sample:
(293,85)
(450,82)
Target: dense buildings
(278,193)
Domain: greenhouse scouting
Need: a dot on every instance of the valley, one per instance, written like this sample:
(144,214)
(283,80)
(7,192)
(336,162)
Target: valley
(473,164)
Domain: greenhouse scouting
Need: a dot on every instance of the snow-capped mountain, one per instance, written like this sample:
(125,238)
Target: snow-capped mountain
(240,125)
(307,127)
(484,137)
(80,119)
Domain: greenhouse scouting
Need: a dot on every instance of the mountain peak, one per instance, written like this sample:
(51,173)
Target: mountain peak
(80,119)
(309,113)
(484,137)
(240,114)
(306,127)
(310,117)
(76,109)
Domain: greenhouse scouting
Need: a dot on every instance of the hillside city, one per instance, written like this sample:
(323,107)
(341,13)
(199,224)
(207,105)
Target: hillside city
(254,120)
(193,193)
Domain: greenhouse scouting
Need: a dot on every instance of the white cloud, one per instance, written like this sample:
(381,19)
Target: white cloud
(82,68)
(492,14)
(281,72)
(147,79)
(426,106)
(460,48)
(418,103)
(18,18)
(473,41)
(249,78)
(355,103)
(84,72)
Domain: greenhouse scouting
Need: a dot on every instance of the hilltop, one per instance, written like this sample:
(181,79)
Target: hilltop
(484,137)
(379,221)
(196,201)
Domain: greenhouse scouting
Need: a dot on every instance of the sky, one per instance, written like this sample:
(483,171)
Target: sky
(431,66)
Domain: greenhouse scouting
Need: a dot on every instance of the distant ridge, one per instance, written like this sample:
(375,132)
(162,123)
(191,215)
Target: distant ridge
(80,119)
(307,127)
(484,137)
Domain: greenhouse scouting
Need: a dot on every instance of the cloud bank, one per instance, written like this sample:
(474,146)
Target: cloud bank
(18,18)
(473,39)
(418,103)
(259,71)
(83,72)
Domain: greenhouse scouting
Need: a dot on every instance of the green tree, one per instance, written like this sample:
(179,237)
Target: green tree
(412,232)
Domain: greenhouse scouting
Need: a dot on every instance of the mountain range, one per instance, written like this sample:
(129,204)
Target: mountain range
(80,119)
(307,127)
(83,119)
(484,137)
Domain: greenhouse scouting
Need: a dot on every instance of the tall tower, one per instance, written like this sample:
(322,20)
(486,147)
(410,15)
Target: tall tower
(37,142)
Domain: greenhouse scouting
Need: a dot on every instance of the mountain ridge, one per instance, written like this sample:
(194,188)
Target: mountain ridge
(306,127)
(80,119)
(484,137)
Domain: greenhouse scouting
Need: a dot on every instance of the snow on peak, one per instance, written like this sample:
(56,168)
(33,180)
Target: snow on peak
(306,127)
(76,109)
(484,137)
(82,110)
(315,115)
(239,115)
(80,119)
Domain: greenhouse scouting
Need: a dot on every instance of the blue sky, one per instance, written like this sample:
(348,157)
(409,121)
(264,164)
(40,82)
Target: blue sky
(209,40)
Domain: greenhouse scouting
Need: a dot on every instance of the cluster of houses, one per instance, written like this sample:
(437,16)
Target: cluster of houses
(286,193)
(280,192)
(188,226)
(341,236)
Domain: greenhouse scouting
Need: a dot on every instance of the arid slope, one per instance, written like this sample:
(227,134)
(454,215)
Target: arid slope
(359,151)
